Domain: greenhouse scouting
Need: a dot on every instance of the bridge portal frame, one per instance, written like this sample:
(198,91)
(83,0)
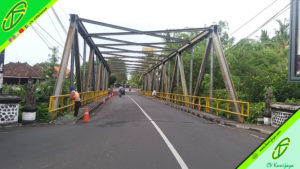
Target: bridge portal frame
(155,77)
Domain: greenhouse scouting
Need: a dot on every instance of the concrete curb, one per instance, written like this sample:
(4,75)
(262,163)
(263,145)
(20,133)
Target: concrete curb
(214,118)
(91,106)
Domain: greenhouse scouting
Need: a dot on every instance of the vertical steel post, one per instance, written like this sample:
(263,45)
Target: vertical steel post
(2,55)
(105,83)
(169,75)
(72,71)
(64,60)
(72,65)
(152,82)
(84,64)
(149,82)
(225,71)
(88,75)
(161,86)
(146,82)
(171,89)
(165,82)
(191,74)
(93,74)
(182,75)
(104,78)
(107,80)
(101,75)
(211,77)
(202,67)
(177,76)
(77,61)
(98,78)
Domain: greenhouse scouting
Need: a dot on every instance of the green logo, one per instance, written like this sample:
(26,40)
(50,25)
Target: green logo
(14,16)
(281,148)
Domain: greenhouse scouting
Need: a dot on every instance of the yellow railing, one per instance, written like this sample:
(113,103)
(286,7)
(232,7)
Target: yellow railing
(203,103)
(64,104)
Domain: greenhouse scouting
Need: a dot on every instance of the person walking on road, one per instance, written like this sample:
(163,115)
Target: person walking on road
(108,91)
(75,96)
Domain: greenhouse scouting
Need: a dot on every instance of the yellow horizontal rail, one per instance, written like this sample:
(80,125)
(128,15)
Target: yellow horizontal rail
(64,104)
(203,103)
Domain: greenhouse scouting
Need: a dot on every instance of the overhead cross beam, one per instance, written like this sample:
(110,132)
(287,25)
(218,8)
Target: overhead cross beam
(155,31)
(113,54)
(129,43)
(154,51)
(130,30)
(131,57)
(129,64)
(142,44)
(132,61)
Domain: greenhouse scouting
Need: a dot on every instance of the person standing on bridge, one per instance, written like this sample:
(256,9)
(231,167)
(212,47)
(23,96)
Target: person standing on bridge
(75,96)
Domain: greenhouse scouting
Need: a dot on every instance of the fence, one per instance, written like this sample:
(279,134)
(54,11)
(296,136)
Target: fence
(64,104)
(206,104)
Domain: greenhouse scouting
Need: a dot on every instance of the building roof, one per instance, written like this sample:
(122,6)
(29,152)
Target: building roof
(56,68)
(21,70)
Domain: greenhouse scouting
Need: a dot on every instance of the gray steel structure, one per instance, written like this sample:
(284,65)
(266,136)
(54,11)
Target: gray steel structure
(294,54)
(156,65)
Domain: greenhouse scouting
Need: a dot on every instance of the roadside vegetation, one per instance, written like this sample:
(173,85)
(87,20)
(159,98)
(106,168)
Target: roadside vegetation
(43,88)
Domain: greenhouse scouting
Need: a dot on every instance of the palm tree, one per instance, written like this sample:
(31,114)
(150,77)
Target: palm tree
(282,34)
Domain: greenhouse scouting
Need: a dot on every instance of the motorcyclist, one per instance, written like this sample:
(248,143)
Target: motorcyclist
(123,90)
(120,91)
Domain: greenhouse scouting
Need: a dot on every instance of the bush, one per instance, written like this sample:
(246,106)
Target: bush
(292,101)
(256,110)
(42,113)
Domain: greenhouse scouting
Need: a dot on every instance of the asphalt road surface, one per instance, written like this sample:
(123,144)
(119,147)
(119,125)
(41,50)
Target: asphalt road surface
(131,132)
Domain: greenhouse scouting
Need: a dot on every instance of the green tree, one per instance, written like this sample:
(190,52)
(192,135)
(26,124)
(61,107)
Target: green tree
(112,80)
(135,79)
(116,63)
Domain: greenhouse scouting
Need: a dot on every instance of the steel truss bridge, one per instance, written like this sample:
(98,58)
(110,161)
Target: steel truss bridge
(140,55)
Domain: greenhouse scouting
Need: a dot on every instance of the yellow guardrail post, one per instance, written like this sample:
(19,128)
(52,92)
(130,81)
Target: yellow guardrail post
(62,104)
(199,107)
(227,104)
(242,113)
(193,102)
(53,107)
(217,111)
(207,105)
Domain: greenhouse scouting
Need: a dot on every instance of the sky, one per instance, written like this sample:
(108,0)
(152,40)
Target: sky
(142,15)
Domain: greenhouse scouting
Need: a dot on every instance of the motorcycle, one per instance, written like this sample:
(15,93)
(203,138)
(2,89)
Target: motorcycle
(120,93)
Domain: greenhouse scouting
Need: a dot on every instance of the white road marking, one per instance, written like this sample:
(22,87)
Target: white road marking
(171,147)
(256,136)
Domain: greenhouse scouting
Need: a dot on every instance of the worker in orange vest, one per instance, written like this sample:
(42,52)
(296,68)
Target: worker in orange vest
(75,96)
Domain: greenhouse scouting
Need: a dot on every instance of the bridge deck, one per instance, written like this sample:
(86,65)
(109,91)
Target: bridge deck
(121,136)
